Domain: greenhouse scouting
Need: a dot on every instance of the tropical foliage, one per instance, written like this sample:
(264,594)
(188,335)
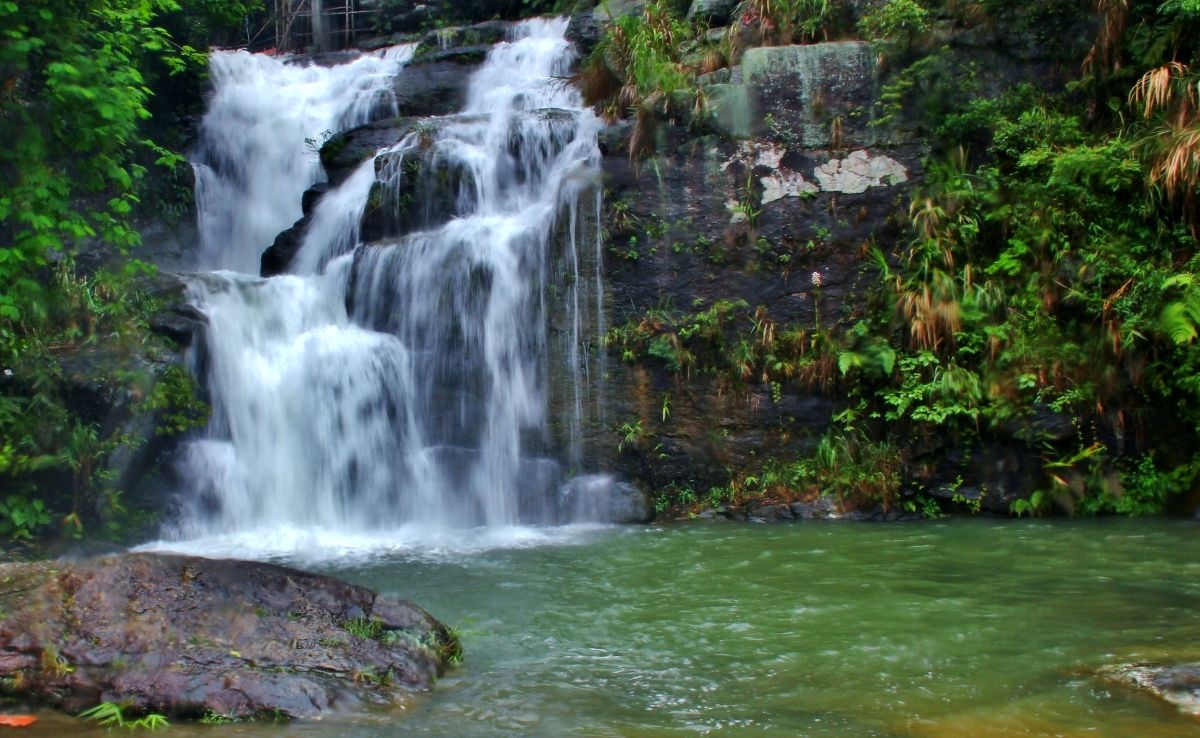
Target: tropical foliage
(1050,275)
(1047,295)
(76,83)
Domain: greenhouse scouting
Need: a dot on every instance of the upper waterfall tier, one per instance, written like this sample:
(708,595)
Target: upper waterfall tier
(259,141)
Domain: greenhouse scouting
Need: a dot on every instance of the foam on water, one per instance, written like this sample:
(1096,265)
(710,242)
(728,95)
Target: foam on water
(312,545)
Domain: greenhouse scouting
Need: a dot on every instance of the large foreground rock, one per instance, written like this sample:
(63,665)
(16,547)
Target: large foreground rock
(189,636)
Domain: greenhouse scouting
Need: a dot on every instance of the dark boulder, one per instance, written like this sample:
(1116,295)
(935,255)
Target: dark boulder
(415,190)
(822,508)
(342,154)
(437,85)
(770,512)
(435,82)
(582,29)
(188,636)
(174,319)
(713,12)
(590,20)
(278,256)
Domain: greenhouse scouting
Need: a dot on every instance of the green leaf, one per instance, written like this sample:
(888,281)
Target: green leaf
(887,359)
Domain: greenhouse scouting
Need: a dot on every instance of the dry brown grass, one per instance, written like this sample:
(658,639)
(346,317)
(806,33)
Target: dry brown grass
(597,84)
(1178,168)
(1173,92)
(1165,89)
(932,311)
(1105,52)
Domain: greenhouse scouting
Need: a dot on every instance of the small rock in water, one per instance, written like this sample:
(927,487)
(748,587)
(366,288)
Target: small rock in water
(818,509)
(771,513)
(188,636)
(1179,684)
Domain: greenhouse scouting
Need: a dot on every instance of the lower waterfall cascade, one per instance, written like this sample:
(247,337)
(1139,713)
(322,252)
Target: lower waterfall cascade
(402,380)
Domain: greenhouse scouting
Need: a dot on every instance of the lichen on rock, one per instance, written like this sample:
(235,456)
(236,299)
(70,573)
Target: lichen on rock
(859,172)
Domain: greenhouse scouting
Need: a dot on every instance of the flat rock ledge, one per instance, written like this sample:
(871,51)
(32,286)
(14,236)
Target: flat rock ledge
(1177,684)
(193,637)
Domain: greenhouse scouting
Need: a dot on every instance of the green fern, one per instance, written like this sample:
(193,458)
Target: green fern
(1180,318)
(111,714)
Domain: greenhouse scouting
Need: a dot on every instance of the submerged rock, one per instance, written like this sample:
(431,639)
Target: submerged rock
(600,498)
(189,636)
(1179,684)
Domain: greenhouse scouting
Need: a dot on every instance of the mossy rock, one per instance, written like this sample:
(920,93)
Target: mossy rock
(186,636)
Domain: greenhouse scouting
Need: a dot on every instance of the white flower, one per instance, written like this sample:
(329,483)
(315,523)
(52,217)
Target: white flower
(8,372)
(815,279)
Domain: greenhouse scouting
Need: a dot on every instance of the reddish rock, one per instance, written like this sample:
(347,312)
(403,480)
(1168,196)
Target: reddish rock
(188,636)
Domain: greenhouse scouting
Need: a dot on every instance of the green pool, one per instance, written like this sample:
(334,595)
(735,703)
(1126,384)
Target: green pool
(955,628)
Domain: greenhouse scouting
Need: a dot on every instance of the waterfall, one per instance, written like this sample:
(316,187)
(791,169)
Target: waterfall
(260,137)
(401,383)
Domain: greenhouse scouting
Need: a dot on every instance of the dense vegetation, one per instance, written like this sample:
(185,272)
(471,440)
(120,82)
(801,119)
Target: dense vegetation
(1046,294)
(77,81)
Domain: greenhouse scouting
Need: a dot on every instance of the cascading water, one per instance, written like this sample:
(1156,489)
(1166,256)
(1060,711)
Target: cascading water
(403,382)
(259,141)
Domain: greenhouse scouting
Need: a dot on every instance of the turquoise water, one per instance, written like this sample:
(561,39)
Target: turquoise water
(956,628)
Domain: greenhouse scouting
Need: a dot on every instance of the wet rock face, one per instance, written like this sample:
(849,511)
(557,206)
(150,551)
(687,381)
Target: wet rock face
(775,200)
(690,244)
(777,212)
(814,96)
(190,636)
(107,386)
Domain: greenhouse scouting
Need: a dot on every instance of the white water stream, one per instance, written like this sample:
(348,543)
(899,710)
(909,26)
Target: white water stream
(398,388)
(260,137)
